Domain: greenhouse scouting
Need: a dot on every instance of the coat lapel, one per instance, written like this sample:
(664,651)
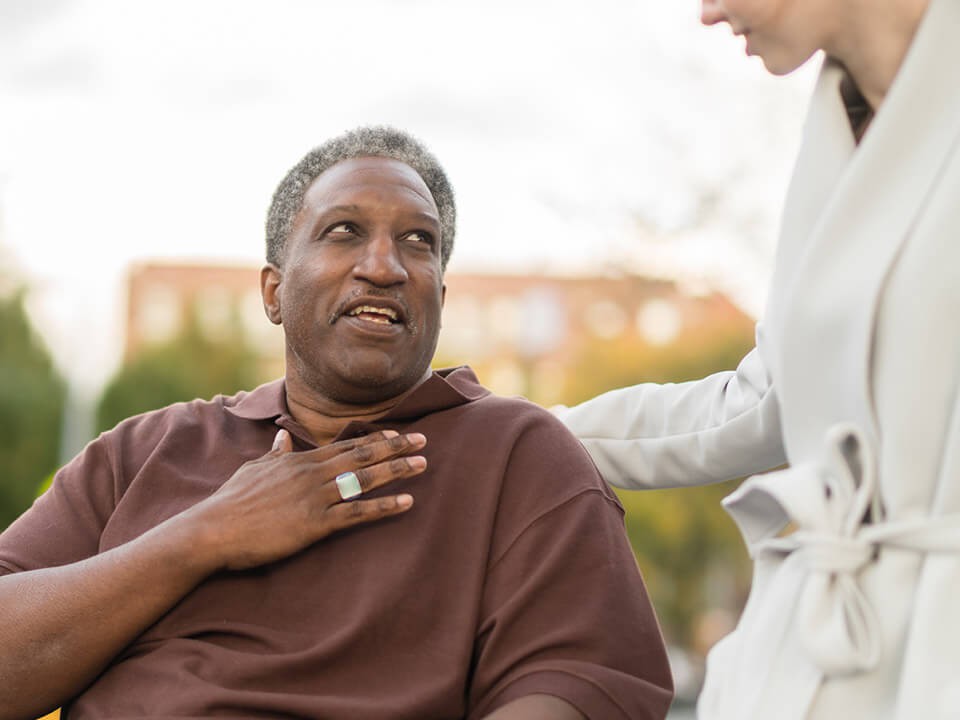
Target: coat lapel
(825,151)
(869,199)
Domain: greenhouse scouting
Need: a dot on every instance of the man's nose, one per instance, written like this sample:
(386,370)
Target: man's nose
(712,12)
(380,263)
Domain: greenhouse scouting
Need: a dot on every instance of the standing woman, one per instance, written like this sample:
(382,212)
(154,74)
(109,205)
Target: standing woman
(855,382)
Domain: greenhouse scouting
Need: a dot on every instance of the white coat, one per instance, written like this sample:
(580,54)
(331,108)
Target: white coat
(855,382)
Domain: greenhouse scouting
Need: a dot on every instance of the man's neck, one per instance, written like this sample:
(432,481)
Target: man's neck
(325,417)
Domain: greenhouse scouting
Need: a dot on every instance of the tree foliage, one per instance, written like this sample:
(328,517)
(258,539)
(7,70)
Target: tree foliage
(32,397)
(189,366)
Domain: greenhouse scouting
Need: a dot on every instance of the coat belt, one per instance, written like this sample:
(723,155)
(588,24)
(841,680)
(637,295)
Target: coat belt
(832,502)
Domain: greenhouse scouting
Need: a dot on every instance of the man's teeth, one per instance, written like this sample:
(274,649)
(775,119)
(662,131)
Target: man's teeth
(379,314)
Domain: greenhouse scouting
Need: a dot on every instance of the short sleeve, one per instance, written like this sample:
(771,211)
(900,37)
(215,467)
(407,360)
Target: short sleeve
(564,609)
(64,524)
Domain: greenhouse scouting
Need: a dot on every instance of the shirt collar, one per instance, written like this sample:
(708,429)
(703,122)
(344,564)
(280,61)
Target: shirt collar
(444,389)
(263,403)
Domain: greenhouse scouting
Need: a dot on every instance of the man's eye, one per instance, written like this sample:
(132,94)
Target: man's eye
(420,237)
(341,228)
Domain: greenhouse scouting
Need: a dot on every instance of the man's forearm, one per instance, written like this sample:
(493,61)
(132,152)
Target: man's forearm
(537,707)
(59,627)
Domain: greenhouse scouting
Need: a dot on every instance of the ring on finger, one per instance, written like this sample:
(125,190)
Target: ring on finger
(348,485)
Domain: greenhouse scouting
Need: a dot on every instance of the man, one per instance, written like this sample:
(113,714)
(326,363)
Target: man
(219,558)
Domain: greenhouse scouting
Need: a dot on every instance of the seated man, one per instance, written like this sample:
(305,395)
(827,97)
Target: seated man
(220,558)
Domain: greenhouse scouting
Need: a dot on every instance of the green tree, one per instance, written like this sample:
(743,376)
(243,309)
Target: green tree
(690,553)
(189,366)
(32,396)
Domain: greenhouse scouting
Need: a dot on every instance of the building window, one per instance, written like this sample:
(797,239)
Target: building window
(159,314)
(659,322)
(605,319)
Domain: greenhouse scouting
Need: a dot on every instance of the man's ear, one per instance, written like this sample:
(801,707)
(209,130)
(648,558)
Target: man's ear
(443,300)
(270,279)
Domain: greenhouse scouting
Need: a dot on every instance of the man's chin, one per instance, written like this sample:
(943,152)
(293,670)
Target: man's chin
(372,387)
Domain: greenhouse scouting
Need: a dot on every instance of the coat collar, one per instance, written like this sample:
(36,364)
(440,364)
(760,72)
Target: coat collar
(909,139)
(850,210)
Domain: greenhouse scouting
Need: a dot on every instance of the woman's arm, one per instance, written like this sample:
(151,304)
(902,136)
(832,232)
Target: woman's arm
(723,426)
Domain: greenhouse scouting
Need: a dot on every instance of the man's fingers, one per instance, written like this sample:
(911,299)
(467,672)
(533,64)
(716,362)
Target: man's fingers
(368,449)
(282,442)
(373,453)
(344,515)
(387,471)
(367,455)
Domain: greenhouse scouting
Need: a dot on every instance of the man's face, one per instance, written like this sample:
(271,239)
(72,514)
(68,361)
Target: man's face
(360,290)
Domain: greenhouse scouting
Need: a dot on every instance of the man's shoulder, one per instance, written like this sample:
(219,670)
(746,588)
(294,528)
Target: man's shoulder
(513,404)
(192,415)
(485,402)
(522,420)
(543,453)
(185,412)
(546,475)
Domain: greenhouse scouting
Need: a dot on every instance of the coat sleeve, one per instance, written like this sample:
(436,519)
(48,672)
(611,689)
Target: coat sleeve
(721,427)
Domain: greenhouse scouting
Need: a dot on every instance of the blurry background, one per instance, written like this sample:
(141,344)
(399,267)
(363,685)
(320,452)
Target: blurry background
(619,172)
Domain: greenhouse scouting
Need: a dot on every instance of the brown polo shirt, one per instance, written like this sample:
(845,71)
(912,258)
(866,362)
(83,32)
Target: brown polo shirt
(511,575)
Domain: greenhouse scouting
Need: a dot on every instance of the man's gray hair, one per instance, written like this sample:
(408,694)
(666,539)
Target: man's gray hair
(373,141)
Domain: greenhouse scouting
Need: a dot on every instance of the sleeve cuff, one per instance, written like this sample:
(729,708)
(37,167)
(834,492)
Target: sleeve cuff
(649,702)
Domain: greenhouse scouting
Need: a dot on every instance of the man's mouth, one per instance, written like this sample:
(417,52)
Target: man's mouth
(375,314)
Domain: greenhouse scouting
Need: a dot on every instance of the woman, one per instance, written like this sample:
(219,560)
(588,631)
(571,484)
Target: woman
(855,382)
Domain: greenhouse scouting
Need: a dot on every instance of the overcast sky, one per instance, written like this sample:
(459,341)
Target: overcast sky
(580,136)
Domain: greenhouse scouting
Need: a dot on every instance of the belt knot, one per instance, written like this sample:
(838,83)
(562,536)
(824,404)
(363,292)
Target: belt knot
(825,553)
(828,499)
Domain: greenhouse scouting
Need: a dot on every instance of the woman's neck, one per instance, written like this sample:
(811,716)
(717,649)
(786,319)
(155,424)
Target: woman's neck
(874,42)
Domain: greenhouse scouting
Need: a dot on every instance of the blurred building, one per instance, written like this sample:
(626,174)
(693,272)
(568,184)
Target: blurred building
(522,333)
(223,301)
(525,334)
